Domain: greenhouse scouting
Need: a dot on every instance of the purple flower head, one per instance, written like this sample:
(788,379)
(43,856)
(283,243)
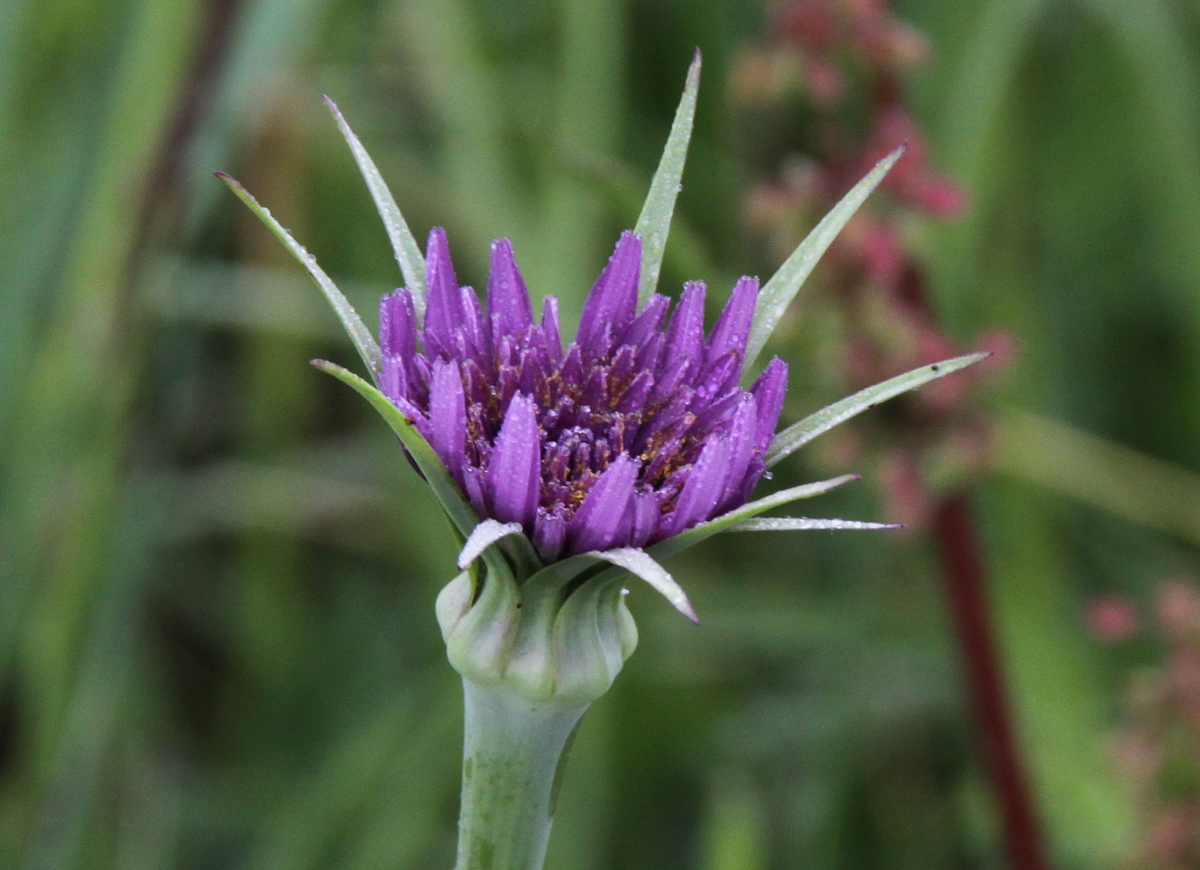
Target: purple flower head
(635,432)
(593,460)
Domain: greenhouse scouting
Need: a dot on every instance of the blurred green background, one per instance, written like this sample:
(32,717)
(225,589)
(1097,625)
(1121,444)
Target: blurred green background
(217,643)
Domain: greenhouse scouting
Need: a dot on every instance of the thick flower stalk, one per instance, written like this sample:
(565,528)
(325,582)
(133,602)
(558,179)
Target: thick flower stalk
(567,468)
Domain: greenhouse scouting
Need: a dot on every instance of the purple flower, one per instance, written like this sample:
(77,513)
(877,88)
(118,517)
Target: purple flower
(630,444)
(636,431)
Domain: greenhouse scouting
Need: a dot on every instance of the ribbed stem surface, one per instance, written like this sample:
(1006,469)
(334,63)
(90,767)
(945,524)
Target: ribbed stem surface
(513,751)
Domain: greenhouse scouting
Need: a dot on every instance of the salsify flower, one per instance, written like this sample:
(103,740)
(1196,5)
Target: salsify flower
(567,468)
(636,431)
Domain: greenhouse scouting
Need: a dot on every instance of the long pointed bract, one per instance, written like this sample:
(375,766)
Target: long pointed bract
(641,564)
(483,536)
(798,434)
(435,473)
(696,534)
(404,244)
(778,293)
(655,220)
(367,347)
(797,524)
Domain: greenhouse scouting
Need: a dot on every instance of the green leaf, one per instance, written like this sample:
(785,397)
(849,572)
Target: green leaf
(793,524)
(799,434)
(696,534)
(642,564)
(654,223)
(353,324)
(779,292)
(404,244)
(457,508)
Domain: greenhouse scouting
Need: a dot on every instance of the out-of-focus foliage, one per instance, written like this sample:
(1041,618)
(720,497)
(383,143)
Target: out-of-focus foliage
(217,572)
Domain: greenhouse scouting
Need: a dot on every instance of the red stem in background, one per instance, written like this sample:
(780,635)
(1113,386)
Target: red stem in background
(965,582)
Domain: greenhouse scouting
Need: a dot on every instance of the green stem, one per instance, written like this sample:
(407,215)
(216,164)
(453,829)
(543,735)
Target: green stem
(513,753)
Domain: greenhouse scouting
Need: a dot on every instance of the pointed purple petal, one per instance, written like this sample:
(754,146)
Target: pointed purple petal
(549,534)
(733,326)
(473,483)
(398,324)
(514,474)
(393,381)
(595,524)
(645,517)
(719,413)
(447,416)
(612,303)
(672,378)
(685,335)
(507,295)
(769,391)
(649,357)
(636,393)
(572,364)
(717,381)
(742,442)
(444,303)
(647,323)
(705,483)
(551,335)
(475,326)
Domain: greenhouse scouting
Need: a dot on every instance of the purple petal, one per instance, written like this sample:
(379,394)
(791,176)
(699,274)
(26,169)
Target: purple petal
(672,378)
(648,323)
(612,303)
(635,394)
(514,474)
(595,389)
(444,309)
(535,372)
(621,369)
(507,296)
(398,324)
(645,517)
(742,442)
(572,364)
(448,416)
(718,380)
(769,390)
(685,335)
(666,417)
(473,483)
(549,534)
(393,380)
(649,357)
(476,328)
(719,413)
(733,326)
(551,336)
(705,483)
(595,524)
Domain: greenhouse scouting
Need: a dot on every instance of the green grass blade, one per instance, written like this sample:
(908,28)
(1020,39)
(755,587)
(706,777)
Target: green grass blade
(1099,472)
(779,292)
(798,434)
(368,349)
(444,488)
(404,244)
(654,223)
